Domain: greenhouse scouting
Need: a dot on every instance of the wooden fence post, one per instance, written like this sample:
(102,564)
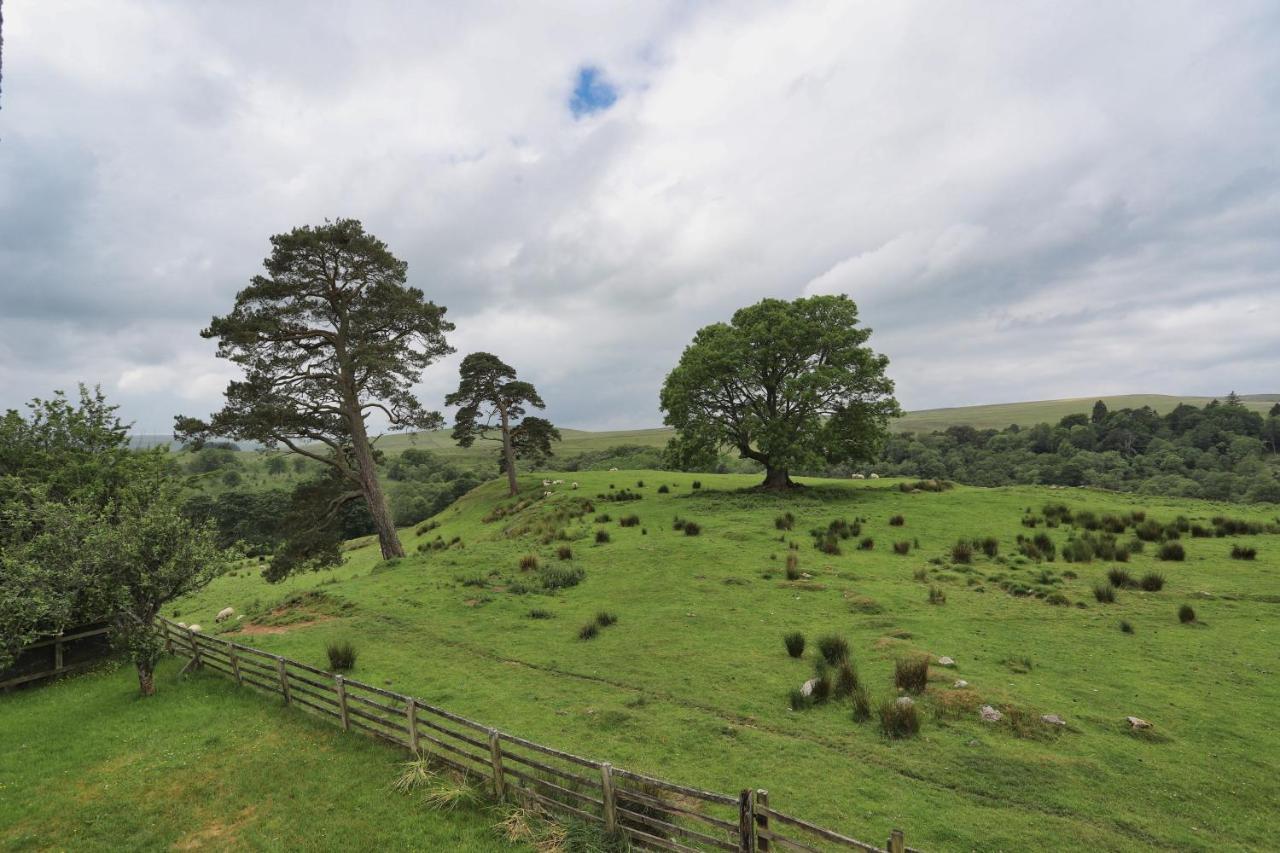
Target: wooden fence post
(747,821)
(235,664)
(340,685)
(896,842)
(168,638)
(762,819)
(411,711)
(610,804)
(284,681)
(57,654)
(195,649)
(495,755)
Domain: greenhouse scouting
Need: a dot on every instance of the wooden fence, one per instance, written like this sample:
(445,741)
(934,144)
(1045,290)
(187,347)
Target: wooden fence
(651,812)
(57,655)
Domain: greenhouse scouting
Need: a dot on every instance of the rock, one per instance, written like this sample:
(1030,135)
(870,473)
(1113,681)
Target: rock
(904,702)
(946,661)
(1137,723)
(960,684)
(990,715)
(1052,720)
(806,689)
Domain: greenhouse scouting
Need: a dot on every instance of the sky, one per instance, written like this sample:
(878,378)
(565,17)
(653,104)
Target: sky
(1026,200)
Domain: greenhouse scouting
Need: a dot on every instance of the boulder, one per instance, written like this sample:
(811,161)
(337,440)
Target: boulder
(1137,723)
(1052,720)
(946,661)
(905,702)
(990,715)
(960,684)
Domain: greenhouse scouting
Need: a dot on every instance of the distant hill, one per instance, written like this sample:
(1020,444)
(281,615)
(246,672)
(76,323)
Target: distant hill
(993,416)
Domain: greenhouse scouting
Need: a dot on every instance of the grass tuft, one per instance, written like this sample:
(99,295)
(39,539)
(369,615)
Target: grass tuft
(794,643)
(911,674)
(1186,614)
(834,650)
(899,719)
(342,655)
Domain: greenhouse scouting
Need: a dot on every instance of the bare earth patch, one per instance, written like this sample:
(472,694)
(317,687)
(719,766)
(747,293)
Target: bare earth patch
(217,835)
(256,630)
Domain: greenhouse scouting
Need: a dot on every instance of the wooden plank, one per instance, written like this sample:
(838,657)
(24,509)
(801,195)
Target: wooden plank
(371,703)
(689,834)
(483,761)
(49,673)
(896,842)
(453,734)
(374,718)
(328,712)
(66,638)
(411,714)
(696,793)
(546,750)
(320,695)
(495,758)
(781,841)
(610,804)
(235,666)
(625,793)
(547,768)
(746,822)
(558,789)
(825,834)
(557,804)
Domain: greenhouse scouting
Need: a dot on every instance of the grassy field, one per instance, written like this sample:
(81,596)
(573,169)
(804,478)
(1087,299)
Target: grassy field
(87,765)
(692,682)
(1001,415)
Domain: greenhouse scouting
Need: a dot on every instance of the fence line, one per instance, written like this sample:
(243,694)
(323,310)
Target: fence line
(651,812)
(79,643)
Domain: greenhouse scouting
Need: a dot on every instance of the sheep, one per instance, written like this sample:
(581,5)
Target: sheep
(546,494)
(612,469)
(574,486)
(875,476)
(859,476)
(546,483)
(195,629)
(557,482)
(182,624)
(224,614)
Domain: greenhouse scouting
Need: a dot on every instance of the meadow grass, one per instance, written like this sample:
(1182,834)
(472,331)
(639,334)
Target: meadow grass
(692,683)
(88,765)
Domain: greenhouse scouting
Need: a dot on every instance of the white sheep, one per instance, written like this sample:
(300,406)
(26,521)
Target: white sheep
(224,614)
(875,476)
(195,629)
(557,482)
(546,494)
(574,486)
(546,483)
(859,476)
(182,624)
(612,469)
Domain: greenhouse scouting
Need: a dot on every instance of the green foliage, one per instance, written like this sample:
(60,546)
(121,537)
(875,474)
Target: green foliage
(785,384)
(1105,593)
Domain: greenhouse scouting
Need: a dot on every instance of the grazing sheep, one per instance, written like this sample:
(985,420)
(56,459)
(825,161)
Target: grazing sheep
(224,614)
(195,629)
(875,476)
(546,494)
(859,476)
(557,482)
(182,624)
(613,469)
(546,483)
(574,486)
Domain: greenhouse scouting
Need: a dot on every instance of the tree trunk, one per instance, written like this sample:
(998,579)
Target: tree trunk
(776,478)
(388,539)
(509,454)
(146,677)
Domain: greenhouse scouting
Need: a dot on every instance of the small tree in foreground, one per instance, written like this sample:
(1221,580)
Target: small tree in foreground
(785,384)
(489,392)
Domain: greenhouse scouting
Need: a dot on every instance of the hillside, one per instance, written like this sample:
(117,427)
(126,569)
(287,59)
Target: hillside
(692,681)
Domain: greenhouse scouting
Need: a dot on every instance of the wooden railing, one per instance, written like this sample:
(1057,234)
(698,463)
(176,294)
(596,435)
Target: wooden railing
(651,812)
(60,644)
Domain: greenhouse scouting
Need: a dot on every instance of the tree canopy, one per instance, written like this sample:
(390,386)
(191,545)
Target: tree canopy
(329,335)
(786,384)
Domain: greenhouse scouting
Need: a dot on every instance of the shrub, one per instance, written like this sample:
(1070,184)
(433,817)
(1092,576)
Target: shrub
(1057,599)
(866,544)
(342,655)
(937,596)
(1201,532)
(897,521)
(639,484)
(899,720)
(828,544)
(1125,627)
(1149,531)
(1186,614)
(1120,578)
(604,619)
(1104,593)
(602,536)
(557,577)
(786,521)
(962,552)
(990,546)
(1239,552)
(1172,551)
(798,700)
(911,674)
(629,521)
(1077,551)
(821,686)
(793,567)
(678,523)
(692,528)
(861,704)
(589,631)
(834,649)
(1152,582)
(540,613)
(564,552)
(697,484)
(664,489)
(1044,544)
(794,643)
(603,518)
(528,563)
(902,548)
(847,679)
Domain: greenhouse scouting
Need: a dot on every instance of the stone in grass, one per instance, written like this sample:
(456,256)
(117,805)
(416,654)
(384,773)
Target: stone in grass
(905,702)
(960,684)
(1137,723)
(990,715)
(1052,720)
(946,661)
(806,689)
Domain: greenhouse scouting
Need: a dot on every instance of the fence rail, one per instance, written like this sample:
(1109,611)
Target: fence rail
(651,812)
(57,655)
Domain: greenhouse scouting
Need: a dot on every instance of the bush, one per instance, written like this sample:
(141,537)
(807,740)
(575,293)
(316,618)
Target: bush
(911,674)
(589,631)
(962,552)
(899,720)
(794,643)
(1077,551)
(902,548)
(557,577)
(798,700)
(540,613)
(602,537)
(697,484)
(664,489)
(990,546)
(821,686)
(897,521)
(1044,544)
(834,649)
(1186,614)
(828,544)
(639,484)
(847,679)
(604,619)
(866,544)
(786,521)
(861,704)
(1125,627)
(604,518)
(342,656)
(1120,578)
(1172,551)
(937,596)
(629,521)
(528,563)
(1152,582)
(1149,531)
(1104,593)
(1239,552)
(793,567)
(692,528)
(564,552)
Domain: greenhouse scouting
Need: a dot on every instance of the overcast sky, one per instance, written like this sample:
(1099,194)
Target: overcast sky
(1026,200)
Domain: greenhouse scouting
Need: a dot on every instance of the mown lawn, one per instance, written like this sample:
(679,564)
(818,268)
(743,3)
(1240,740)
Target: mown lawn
(87,765)
(692,682)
